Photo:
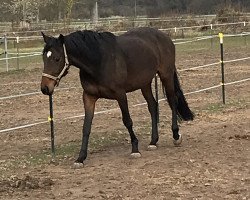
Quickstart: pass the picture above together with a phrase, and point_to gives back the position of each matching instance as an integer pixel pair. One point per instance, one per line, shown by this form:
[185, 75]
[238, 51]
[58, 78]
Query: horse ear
[61, 38]
[45, 37]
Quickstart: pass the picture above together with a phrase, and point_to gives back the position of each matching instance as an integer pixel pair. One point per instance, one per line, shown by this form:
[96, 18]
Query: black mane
[88, 44]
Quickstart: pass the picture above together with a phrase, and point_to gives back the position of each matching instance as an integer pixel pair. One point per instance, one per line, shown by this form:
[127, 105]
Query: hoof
[135, 155]
[178, 142]
[152, 147]
[77, 165]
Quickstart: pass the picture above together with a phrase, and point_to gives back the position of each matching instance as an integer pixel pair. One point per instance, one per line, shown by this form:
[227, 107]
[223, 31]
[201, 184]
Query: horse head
[55, 61]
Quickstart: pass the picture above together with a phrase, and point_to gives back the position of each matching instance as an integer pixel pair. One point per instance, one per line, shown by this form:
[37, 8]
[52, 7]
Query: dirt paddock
[213, 161]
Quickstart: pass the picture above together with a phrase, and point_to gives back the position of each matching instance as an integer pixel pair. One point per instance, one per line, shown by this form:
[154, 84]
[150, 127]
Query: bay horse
[111, 66]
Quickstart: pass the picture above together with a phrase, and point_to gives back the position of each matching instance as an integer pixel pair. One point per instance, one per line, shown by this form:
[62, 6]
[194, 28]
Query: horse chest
[98, 91]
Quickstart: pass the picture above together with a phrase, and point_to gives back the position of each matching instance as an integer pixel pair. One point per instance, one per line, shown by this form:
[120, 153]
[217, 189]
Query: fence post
[17, 51]
[175, 32]
[245, 31]
[6, 52]
[182, 33]
[211, 33]
[222, 67]
[51, 120]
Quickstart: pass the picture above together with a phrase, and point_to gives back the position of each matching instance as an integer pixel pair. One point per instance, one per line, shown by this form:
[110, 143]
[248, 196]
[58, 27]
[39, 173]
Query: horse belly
[141, 69]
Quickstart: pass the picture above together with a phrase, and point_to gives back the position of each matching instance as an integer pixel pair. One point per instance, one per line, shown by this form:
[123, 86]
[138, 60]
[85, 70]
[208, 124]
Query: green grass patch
[213, 45]
[219, 107]
[209, 46]
[216, 107]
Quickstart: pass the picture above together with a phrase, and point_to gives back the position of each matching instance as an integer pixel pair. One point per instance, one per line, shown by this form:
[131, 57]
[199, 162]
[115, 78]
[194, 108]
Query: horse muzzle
[47, 86]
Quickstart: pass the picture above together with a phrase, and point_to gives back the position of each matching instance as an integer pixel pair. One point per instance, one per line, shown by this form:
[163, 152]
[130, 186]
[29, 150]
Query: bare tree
[20, 10]
[25, 10]
[69, 7]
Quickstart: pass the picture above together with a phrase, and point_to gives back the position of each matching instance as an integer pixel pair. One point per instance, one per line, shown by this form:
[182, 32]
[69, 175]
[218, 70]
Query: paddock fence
[23, 52]
[193, 40]
[119, 23]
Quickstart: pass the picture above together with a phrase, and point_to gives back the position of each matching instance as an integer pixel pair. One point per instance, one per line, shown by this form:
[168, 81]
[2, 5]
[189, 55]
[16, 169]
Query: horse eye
[57, 59]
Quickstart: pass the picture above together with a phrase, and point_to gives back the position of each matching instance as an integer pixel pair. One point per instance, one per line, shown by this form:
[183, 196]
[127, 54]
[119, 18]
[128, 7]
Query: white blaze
[49, 54]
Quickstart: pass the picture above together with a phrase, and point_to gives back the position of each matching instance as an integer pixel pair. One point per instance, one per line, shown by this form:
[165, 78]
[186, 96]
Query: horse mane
[88, 44]
[50, 44]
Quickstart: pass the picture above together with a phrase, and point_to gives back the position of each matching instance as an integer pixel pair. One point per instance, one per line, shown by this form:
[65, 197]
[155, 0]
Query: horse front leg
[89, 106]
[127, 121]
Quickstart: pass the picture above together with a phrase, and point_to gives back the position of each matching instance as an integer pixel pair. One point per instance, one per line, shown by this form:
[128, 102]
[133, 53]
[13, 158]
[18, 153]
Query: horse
[111, 66]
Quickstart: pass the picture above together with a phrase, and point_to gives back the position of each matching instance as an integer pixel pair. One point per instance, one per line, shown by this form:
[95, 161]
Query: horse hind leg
[168, 86]
[152, 107]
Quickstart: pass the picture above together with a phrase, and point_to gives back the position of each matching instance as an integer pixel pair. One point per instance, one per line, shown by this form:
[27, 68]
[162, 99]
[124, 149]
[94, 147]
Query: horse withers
[111, 66]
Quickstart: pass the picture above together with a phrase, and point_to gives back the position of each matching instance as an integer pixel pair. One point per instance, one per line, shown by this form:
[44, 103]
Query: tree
[24, 10]
[69, 7]
[78, 9]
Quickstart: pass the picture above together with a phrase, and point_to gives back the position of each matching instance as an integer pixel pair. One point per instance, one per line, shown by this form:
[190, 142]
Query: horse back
[146, 50]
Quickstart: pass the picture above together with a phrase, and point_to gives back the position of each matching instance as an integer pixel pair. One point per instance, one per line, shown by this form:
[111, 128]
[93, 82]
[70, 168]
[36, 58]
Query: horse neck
[76, 60]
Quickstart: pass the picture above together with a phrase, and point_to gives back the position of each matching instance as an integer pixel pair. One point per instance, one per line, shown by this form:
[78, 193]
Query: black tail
[182, 106]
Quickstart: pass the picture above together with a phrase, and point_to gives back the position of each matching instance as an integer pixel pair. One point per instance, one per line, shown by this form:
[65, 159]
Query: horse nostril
[45, 90]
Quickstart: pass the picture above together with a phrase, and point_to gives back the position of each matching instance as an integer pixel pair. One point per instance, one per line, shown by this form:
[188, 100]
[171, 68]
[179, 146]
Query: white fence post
[17, 52]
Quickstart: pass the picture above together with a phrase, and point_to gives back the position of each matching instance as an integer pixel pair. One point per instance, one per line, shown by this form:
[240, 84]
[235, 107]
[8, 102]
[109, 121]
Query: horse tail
[183, 111]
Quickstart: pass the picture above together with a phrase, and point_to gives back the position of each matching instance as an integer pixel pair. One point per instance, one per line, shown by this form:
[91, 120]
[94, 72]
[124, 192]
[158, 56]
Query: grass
[36, 61]
[22, 63]
[213, 44]
[219, 107]
[190, 48]
[26, 62]
[216, 107]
